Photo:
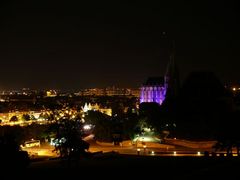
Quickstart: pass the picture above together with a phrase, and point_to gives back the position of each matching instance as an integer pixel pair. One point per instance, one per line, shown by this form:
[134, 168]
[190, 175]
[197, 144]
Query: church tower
[157, 89]
[172, 82]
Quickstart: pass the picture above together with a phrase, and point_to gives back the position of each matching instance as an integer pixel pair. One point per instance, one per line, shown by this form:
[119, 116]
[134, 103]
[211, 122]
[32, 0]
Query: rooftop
[154, 81]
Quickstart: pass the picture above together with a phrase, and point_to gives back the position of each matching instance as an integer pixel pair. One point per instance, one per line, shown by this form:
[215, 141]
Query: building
[135, 92]
[110, 91]
[93, 92]
[96, 107]
[51, 93]
[154, 90]
[157, 89]
[116, 91]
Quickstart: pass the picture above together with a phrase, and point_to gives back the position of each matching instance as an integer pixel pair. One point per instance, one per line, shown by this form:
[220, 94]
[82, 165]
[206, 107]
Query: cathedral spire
[172, 83]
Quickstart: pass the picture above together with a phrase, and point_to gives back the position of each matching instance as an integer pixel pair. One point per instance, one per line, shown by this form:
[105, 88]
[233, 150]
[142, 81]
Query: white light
[87, 127]
[153, 152]
[198, 153]
[138, 150]
[175, 153]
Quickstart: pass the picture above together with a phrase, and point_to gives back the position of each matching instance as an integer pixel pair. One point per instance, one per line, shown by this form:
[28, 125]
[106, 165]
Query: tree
[227, 135]
[10, 154]
[202, 102]
[26, 117]
[68, 139]
[103, 126]
[151, 113]
[14, 119]
[129, 124]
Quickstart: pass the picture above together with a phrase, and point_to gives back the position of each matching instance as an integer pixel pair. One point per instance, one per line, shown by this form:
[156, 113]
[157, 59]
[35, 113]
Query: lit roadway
[46, 150]
[133, 150]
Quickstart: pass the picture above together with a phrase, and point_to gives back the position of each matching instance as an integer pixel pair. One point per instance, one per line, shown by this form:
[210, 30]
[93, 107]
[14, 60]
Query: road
[46, 150]
[147, 151]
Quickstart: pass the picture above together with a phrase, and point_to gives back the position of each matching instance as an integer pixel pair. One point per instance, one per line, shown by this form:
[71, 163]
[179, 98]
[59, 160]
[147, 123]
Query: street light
[138, 151]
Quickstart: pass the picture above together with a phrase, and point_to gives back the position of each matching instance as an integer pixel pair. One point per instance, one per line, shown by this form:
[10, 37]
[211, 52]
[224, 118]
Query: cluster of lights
[174, 152]
[57, 142]
[87, 127]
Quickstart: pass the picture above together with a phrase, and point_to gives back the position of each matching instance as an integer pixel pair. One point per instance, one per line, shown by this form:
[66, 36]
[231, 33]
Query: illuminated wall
[96, 107]
[153, 94]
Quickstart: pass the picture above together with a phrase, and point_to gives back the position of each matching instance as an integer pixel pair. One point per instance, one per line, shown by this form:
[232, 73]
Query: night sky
[69, 45]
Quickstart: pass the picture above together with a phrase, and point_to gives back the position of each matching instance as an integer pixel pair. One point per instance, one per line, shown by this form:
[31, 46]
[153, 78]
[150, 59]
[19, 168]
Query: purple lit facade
[154, 90]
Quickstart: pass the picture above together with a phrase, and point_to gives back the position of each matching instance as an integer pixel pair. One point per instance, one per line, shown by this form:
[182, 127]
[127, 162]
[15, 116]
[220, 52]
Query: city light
[138, 151]
[87, 127]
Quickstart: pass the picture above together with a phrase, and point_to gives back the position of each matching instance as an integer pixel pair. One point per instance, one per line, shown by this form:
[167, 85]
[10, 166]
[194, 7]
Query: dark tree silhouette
[153, 115]
[14, 119]
[228, 133]
[10, 154]
[202, 102]
[129, 125]
[103, 126]
[68, 139]
[26, 117]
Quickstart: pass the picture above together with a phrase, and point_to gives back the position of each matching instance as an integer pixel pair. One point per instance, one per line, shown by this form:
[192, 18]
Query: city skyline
[84, 45]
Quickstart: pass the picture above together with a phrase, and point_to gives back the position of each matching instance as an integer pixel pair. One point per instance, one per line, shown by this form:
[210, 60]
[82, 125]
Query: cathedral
[156, 89]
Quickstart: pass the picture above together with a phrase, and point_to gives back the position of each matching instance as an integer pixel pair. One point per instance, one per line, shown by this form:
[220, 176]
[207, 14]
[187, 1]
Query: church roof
[154, 81]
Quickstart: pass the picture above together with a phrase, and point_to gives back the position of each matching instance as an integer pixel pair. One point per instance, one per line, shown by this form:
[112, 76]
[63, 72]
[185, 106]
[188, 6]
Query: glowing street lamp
[138, 151]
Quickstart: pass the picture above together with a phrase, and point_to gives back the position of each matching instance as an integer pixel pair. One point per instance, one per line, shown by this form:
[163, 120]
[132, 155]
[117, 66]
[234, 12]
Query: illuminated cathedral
[156, 89]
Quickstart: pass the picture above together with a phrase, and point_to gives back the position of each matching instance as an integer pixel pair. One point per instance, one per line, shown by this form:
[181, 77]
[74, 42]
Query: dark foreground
[115, 166]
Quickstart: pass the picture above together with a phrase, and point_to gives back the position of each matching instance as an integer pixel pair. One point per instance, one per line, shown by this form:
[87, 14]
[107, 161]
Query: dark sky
[69, 45]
